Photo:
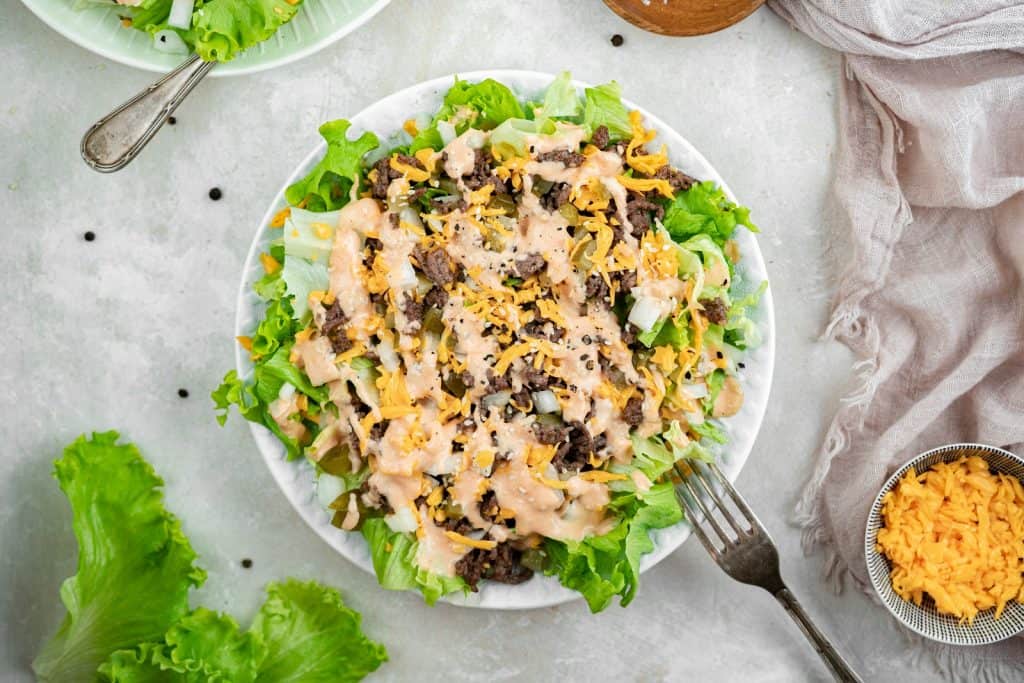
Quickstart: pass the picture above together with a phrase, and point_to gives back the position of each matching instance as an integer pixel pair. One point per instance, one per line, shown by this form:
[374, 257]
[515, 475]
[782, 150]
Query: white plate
[296, 478]
[317, 24]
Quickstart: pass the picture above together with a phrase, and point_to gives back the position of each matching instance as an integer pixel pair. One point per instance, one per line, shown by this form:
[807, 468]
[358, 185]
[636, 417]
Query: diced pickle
[336, 461]
[570, 214]
[534, 559]
[432, 321]
[453, 383]
[541, 186]
[503, 202]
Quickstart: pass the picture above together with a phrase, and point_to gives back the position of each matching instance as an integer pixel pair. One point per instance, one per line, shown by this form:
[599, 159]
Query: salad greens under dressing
[699, 223]
[128, 616]
[217, 30]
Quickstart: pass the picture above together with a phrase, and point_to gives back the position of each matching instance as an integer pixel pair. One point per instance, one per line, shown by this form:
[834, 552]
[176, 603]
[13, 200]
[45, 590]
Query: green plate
[317, 24]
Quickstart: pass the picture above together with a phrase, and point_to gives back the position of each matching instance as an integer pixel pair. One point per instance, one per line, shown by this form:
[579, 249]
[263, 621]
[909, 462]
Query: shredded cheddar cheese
[270, 264]
[471, 542]
[280, 217]
[956, 533]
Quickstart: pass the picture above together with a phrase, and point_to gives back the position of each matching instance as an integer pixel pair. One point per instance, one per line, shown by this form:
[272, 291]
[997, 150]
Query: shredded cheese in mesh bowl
[945, 544]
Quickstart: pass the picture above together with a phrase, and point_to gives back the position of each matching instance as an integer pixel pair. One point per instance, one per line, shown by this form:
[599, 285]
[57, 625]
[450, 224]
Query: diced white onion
[409, 215]
[181, 14]
[406, 276]
[449, 465]
[696, 390]
[695, 417]
[386, 352]
[645, 313]
[286, 391]
[402, 521]
[447, 131]
[545, 402]
[328, 488]
[498, 399]
[170, 42]
[475, 139]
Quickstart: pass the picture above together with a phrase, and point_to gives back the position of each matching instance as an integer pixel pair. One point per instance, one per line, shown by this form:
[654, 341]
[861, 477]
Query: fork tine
[703, 537]
[703, 508]
[741, 504]
[719, 503]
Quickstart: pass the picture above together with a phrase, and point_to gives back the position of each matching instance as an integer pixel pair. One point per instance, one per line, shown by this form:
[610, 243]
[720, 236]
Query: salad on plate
[496, 335]
[217, 30]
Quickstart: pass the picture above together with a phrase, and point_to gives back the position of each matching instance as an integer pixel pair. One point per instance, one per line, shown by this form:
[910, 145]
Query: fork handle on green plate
[118, 137]
[841, 671]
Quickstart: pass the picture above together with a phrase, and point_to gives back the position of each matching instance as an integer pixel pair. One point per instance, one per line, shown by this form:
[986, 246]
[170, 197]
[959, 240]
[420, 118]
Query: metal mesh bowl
[925, 620]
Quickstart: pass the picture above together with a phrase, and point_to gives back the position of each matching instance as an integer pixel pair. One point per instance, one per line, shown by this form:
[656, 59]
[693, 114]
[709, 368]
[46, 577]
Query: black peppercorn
[617, 40]
[183, 393]
[216, 194]
[89, 236]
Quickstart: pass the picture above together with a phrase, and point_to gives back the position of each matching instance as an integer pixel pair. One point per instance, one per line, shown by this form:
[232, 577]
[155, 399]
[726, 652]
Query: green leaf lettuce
[135, 566]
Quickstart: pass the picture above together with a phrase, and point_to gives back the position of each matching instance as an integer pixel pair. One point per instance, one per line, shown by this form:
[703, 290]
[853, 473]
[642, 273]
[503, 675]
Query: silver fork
[747, 555]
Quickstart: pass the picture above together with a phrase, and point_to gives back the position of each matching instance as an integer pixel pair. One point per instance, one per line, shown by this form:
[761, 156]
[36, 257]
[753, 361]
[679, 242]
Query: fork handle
[841, 671]
[114, 140]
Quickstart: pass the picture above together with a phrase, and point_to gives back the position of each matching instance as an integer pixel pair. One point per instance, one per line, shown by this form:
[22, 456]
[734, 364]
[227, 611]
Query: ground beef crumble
[334, 328]
[716, 311]
[501, 564]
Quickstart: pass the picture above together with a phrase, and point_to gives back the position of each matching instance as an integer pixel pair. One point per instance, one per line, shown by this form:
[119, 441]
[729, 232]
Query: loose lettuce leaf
[303, 632]
[203, 646]
[603, 107]
[561, 100]
[135, 565]
[394, 561]
[704, 208]
[311, 636]
[224, 28]
[327, 186]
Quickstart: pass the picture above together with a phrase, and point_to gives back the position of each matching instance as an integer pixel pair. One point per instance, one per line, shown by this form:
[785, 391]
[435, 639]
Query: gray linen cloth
[929, 257]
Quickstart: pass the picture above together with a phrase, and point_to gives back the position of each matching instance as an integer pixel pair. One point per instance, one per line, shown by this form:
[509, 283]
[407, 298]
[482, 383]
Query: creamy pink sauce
[436, 552]
[316, 357]
[283, 408]
[591, 494]
[566, 136]
[477, 350]
[346, 268]
[461, 153]
[466, 492]
[544, 508]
